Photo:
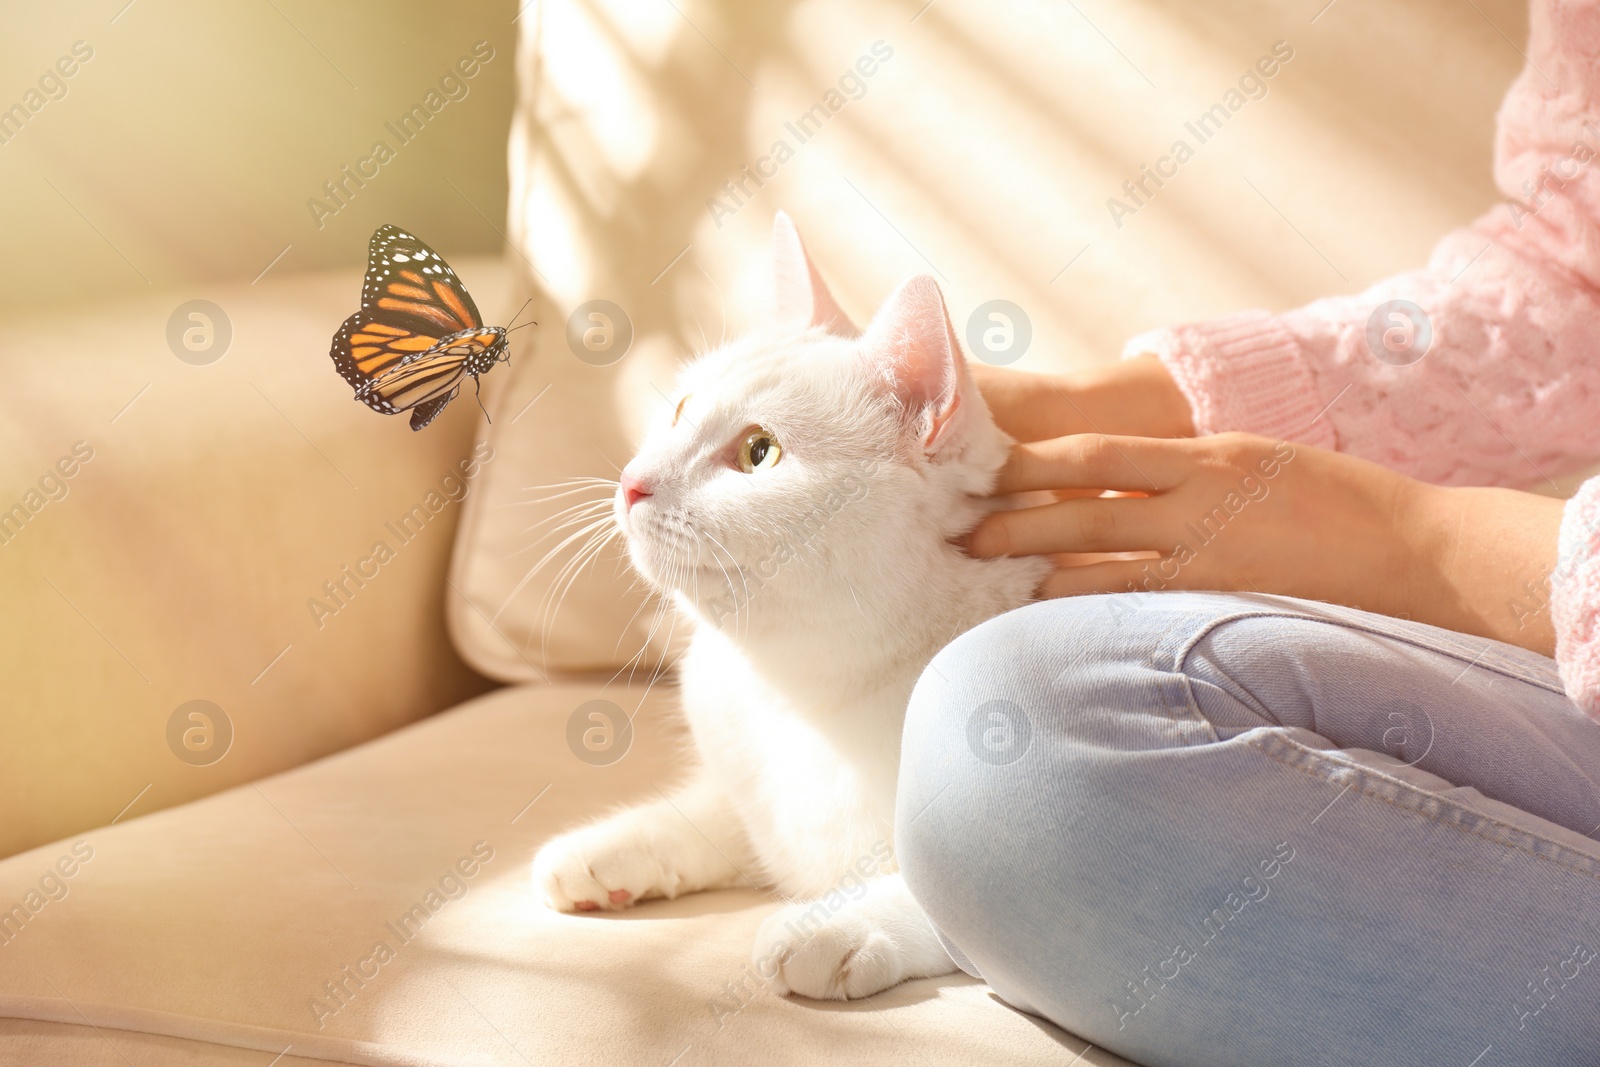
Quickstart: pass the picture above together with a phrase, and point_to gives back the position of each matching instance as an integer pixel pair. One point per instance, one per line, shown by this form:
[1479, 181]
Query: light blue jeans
[1202, 829]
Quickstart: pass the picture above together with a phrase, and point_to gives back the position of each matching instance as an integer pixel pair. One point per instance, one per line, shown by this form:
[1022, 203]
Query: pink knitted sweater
[1491, 374]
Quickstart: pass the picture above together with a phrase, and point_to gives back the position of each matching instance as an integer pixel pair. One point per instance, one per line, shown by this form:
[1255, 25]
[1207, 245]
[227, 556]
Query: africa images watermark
[52, 86]
[452, 87]
[1143, 990]
[52, 888]
[1566, 169]
[1546, 987]
[340, 991]
[852, 85]
[1206, 528]
[53, 488]
[793, 539]
[1541, 590]
[340, 590]
[753, 979]
[1252, 85]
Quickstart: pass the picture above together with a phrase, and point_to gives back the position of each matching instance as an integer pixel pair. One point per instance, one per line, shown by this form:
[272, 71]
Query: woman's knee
[1074, 664]
[1053, 690]
[1043, 754]
[1072, 690]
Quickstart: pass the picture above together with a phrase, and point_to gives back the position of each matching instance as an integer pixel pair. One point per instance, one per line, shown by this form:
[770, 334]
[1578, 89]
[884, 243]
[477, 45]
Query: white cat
[799, 506]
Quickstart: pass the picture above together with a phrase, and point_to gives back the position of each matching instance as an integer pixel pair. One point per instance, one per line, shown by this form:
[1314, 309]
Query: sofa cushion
[375, 908]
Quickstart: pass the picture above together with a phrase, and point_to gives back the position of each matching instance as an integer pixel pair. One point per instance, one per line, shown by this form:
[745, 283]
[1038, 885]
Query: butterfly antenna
[518, 315]
[524, 326]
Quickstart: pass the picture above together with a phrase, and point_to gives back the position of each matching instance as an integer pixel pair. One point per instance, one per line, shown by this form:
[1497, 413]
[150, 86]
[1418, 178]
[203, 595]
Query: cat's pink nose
[634, 489]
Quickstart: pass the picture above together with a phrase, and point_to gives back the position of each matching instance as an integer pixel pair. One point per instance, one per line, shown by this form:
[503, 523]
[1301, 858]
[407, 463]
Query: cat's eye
[676, 415]
[759, 451]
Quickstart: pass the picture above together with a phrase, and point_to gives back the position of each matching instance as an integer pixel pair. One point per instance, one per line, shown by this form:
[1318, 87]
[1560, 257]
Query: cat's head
[810, 457]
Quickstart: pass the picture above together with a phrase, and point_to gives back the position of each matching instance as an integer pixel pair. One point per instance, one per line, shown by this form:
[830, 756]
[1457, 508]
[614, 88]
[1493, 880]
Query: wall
[185, 149]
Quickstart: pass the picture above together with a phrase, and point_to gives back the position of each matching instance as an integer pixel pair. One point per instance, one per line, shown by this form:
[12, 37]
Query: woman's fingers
[1091, 524]
[1095, 461]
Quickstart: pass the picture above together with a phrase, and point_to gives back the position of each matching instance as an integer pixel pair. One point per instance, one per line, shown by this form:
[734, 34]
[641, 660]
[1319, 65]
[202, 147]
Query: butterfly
[418, 333]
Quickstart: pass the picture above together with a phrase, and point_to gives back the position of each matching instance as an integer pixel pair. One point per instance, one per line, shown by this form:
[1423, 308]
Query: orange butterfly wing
[411, 304]
[365, 348]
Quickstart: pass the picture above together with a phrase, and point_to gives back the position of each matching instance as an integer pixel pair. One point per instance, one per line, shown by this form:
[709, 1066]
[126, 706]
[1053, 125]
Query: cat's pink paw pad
[586, 905]
[620, 896]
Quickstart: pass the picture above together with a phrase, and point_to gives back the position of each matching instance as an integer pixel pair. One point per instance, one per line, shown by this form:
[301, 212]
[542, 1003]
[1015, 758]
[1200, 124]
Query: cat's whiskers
[694, 571]
[662, 664]
[587, 526]
[567, 488]
[662, 528]
[586, 555]
[584, 512]
[663, 607]
[643, 602]
[583, 515]
[705, 584]
[739, 604]
[602, 533]
[551, 490]
[599, 529]
[631, 663]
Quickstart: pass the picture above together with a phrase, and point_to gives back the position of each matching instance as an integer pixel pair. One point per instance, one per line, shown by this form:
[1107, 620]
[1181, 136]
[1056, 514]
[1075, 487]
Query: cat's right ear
[915, 346]
[802, 296]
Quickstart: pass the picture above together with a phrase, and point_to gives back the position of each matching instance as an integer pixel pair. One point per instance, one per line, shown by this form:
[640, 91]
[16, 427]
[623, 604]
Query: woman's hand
[1135, 396]
[1243, 513]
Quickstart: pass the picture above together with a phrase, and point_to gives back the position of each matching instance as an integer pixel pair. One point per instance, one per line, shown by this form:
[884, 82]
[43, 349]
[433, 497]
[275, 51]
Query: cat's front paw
[605, 867]
[842, 956]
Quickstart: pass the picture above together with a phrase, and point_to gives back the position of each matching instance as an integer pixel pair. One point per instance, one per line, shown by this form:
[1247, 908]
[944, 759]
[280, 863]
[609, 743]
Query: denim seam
[1181, 685]
[1179, 657]
[1456, 654]
[1468, 820]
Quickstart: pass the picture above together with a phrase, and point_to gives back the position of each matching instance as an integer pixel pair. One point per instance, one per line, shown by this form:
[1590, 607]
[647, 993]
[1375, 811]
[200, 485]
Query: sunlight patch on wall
[649, 26]
[549, 235]
[588, 74]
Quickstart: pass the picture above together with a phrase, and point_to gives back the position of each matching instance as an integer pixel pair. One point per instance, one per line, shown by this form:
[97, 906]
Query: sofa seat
[374, 907]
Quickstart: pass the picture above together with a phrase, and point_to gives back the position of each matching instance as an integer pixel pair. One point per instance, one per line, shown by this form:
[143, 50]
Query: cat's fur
[819, 590]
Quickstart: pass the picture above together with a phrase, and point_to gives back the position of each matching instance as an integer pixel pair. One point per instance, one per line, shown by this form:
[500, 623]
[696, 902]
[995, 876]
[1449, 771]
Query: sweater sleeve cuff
[1575, 598]
[1243, 372]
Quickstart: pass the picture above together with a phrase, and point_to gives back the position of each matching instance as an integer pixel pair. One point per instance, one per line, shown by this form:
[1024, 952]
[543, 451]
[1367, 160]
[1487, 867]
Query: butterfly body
[417, 334]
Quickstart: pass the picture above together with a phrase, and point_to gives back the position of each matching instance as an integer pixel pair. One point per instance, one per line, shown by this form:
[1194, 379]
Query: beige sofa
[301, 874]
[233, 928]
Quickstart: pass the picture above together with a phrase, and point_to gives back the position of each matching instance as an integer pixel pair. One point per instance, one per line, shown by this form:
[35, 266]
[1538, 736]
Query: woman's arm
[1477, 370]
[1136, 396]
[1488, 377]
[1246, 513]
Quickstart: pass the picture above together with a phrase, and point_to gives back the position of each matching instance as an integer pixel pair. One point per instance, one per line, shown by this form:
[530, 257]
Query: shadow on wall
[1326, 146]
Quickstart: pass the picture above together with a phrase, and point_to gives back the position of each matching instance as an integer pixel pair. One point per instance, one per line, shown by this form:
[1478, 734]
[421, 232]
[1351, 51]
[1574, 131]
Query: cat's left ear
[802, 296]
[912, 341]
